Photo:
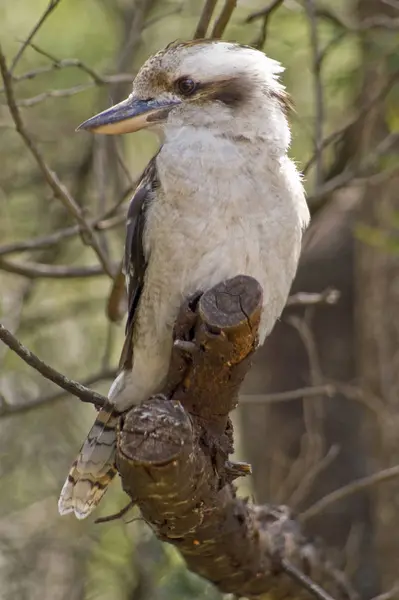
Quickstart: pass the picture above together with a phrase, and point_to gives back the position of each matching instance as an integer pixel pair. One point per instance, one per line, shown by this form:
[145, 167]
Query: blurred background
[335, 356]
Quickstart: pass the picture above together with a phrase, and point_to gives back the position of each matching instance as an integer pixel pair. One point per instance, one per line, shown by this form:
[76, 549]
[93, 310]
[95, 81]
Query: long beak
[129, 115]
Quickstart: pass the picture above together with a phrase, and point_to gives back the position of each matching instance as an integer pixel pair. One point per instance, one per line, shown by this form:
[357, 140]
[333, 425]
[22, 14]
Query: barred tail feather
[93, 470]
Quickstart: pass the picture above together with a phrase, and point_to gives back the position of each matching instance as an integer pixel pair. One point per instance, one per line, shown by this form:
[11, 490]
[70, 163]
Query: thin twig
[65, 92]
[52, 5]
[165, 15]
[65, 63]
[223, 18]
[73, 387]
[330, 45]
[309, 477]
[328, 296]
[313, 443]
[328, 390]
[304, 581]
[392, 594]
[349, 489]
[58, 188]
[40, 270]
[356, 173]
[116, 516]
[265, 14]
[393, 3]
[24, 407]
[205, 19]
[328, 140]
[375, 22]
[318, 91]
[47, 241]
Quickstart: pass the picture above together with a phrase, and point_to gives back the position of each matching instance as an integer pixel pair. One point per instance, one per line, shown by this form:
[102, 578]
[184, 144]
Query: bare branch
[305, 581]
[37, 270]
[73, 387]
[328, 390]
[357, 117]
[392, 594]
[223, 19]
[318, 90]
[65, 63]
[67, 92]
[375, 22]
[52, 5]
[58, 188]
[393, 3]
[328, 296]
[24, 407]
[265, 14]
[121, 513]
[47, 241]
[170, 13]
[352, 174]
[205, 19]
[347, 490]
[310, 475]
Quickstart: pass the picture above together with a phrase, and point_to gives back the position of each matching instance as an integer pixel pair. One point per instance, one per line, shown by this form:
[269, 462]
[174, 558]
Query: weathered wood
[173, 457]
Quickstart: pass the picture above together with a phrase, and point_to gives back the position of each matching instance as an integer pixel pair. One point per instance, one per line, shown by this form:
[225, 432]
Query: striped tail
[94, 468]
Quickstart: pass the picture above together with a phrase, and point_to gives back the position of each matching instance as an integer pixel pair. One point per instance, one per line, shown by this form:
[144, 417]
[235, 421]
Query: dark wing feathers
[134, 264]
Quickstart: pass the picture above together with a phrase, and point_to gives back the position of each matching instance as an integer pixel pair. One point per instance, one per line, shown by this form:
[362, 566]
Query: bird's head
[231, 89]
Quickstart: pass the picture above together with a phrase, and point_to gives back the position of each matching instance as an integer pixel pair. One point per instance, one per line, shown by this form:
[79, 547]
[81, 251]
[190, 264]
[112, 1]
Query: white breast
[225, 208]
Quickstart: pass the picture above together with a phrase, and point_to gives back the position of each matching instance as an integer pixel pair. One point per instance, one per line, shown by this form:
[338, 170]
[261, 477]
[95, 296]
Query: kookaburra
[219, 199]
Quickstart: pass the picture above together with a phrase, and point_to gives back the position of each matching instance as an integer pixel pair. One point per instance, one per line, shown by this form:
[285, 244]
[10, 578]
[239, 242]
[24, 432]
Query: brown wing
[135, 261]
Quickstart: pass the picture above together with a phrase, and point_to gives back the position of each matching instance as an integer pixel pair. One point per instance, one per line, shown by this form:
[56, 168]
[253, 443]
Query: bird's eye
[186, 86]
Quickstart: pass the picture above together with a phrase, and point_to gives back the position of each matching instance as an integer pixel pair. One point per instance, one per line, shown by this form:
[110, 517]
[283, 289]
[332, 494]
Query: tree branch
[223, 19]
[328, 389]
[318, 90]
[47, 241]
[205, 19]
[364, 110]
[40, 270]
[265, 14]
[7, 409]
[51, 6]
[173, 457]
[352, 488]
[73, 387]
[327, 296]
[58, 188]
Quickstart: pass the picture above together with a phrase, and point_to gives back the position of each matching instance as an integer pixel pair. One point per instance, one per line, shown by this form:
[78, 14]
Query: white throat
[258, 120]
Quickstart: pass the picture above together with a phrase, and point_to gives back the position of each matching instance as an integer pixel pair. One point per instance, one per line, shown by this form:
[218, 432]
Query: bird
[220, 198]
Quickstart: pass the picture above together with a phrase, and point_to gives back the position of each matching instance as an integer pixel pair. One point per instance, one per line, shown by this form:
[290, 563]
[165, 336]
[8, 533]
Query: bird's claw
[184, 347]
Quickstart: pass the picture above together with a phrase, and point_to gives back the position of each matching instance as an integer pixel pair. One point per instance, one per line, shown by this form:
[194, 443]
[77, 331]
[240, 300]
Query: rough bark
[173, 457]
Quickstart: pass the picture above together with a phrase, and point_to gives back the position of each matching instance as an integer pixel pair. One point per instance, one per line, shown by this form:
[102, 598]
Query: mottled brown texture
[173, 456]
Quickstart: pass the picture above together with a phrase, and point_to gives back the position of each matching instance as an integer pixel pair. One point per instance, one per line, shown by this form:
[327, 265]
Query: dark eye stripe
[231, 92]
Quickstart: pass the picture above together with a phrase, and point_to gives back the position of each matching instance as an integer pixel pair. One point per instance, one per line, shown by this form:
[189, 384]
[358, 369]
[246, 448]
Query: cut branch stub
[225, 338]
